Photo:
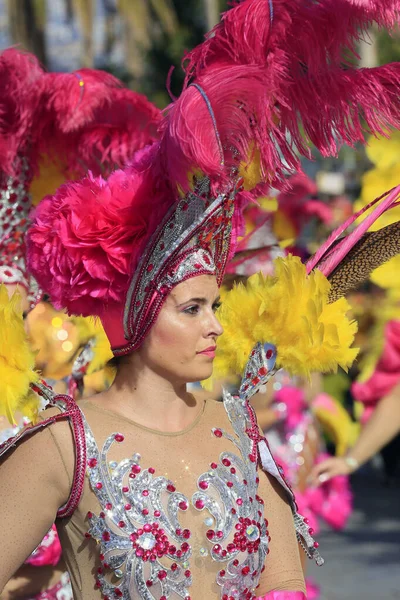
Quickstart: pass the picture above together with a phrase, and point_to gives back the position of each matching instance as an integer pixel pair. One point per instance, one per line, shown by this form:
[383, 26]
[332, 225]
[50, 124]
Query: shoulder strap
[71, 411]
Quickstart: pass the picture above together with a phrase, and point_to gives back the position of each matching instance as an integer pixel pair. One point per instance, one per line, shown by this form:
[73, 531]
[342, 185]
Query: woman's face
[181, 344]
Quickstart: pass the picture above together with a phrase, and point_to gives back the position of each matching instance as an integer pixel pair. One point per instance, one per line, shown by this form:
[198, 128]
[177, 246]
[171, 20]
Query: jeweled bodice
[145, 549]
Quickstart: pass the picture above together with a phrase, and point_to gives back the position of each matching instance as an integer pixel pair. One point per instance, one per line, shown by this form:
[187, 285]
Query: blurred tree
[85, 12]
[27, 21]
[212, 11]
[388, 46]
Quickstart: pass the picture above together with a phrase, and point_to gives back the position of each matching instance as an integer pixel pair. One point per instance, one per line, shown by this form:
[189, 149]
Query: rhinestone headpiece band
[193, 240]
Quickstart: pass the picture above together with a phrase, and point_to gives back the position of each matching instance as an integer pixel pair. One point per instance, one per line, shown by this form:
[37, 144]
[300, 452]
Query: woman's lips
[209, 351]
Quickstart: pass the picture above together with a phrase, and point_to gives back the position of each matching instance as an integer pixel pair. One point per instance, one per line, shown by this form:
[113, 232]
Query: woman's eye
[216, 306]
[191, 310]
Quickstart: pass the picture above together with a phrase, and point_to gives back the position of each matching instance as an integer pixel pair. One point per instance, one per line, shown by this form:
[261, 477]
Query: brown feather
[373, 249]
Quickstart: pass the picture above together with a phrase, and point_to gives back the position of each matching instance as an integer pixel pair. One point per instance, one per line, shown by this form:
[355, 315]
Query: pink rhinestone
[217, 548]
[226, 462]
[229, 484]
[186, 534]
[128, 506]
[306, 521]
[171, 488]
[106, 536]
[147, 528]
[203, 485]
[162, 574]
[119, 437]
[99, 485]
[187, 573]
[151, 470]
[183, 506]
[92, 462]
[220, 534]
[213, 465]
[121, 524]
[145, 512]
[157, 513]
[217, 433]
[136, 469]
[239, 502]
[222, 573]
[149, 583]
[245, 570]
[89, 515]
[233, 470]
[125, 489]
[311, 531]
[210, 534]
[108, 506]
[145, 493]
[199, 504]
[316, 545]
[174, 567]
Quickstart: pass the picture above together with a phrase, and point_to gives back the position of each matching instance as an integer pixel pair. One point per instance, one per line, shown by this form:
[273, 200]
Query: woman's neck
[150, 399]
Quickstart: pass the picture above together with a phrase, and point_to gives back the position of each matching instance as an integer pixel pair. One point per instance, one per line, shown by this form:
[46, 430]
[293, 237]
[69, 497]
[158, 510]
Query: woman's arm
[34, 482]
[382, 427]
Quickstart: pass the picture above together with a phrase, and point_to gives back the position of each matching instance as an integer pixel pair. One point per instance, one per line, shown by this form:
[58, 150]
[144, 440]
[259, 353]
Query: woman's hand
[332, 467]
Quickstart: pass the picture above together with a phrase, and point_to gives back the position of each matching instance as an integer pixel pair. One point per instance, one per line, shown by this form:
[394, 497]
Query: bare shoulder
[45, 450]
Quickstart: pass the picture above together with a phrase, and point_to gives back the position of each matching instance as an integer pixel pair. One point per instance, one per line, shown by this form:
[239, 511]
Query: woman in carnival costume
[53, 126]
[159, 495]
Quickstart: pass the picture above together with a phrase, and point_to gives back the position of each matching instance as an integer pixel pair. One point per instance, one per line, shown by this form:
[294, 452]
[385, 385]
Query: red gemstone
[239, 502]
[92, 462]
[187, 573]
[226, 462]
[157, 513]
[186, 534]
[213, 465]
[145, 493]
[245, 570]
[174, 567]
[263, 371]
[210, 534]
[118, 592]
[125, 489]
[145, 512]
[269, 354]
[150, 268]
[199, 504]
[171, 488]
[203, 485]
[121, 524]
[183, 506]
[162, 574]
[106, 536]
[222, 573]
[136, 469]
[217, 433]
[108, 506]
[151, 470]
[149, 583]
[99, 485]
[119, 437]
[128, 506]
[316, 545]
[89, 515]
[229, 484]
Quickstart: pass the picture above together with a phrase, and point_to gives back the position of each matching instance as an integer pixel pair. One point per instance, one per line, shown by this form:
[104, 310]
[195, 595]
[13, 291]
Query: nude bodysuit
[186, 515]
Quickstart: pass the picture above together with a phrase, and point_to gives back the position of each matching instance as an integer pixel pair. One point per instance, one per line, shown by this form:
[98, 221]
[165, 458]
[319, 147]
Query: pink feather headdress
[267, 82]
[74, 121]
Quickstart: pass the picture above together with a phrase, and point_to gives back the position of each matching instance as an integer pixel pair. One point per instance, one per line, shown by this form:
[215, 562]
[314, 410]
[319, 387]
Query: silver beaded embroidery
[139, 513]
[232, 500]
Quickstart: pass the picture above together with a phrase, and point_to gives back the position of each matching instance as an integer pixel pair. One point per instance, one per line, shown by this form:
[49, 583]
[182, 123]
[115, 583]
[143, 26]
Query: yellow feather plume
[291, 311]
[17, 361]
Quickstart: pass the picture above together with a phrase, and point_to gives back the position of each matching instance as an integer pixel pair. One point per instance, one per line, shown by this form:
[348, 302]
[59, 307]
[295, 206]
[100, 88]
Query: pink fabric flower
[85, 240]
